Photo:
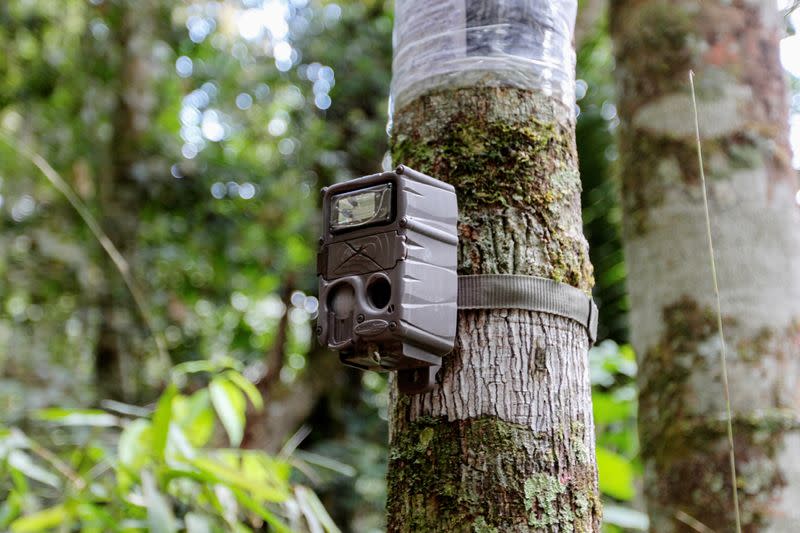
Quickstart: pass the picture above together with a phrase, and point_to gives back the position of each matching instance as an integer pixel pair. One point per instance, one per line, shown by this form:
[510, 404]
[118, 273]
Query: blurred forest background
[198, 134]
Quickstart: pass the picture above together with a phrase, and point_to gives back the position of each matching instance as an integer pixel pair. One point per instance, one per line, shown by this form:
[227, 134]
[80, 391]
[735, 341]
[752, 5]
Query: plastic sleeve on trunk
[525, 44]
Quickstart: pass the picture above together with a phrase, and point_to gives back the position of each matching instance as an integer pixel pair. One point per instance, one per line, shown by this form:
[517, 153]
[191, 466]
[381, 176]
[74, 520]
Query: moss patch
[515, 174]
[653, 48]
[486, 475]
[651, 165]
[666, 369]
[496, 164]
[687, 454]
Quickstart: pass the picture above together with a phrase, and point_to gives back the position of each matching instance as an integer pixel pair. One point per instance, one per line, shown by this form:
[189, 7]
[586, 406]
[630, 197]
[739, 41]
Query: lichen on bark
[483, 474]
[511, 156]
[505, 443]
[687, 457]
[732, 46]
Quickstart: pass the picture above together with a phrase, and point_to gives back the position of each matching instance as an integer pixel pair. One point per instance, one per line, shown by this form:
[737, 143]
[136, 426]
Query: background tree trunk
[733, 48]
[506, 443]
[119, 356]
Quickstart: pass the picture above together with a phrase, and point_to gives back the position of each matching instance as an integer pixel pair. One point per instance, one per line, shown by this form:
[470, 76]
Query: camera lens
[379, 292]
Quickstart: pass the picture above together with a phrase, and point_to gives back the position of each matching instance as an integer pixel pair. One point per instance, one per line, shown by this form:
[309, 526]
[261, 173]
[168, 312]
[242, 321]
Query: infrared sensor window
[361, 208]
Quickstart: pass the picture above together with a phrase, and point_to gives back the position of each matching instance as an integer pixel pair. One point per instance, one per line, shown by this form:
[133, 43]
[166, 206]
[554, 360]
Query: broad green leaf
[159, 513]
[273, 470]
[229, 402]
[42, 520]
[161, 420]
[10, 509]
[616, 475]
[178, 446]
[78, 417]
[21, 461]
[133, 443]
[195, 416]
[255, 468]
[247, 387]
[236, 478]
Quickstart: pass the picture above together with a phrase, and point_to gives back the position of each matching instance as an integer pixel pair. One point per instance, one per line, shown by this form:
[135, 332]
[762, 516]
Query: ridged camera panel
[388, 291]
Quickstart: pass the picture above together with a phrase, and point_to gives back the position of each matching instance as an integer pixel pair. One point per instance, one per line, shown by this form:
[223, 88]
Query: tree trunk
[506, 442]
[733, 48]
[118, 359]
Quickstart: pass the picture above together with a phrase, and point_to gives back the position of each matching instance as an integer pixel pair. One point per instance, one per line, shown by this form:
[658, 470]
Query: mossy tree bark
[506, 442]
[733, 48]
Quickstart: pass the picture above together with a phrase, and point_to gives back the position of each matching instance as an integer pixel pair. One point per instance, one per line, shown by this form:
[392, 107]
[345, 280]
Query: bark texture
[506, 443]
[733, 48]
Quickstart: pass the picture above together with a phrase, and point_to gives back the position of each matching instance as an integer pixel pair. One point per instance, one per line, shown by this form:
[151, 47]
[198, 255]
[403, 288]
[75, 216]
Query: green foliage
[219, 225]
[164, 472]
[613, 371]
[597, 154]
[219, 233]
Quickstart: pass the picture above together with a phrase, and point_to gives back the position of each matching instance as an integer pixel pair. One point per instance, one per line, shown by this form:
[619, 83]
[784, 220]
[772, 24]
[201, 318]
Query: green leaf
[204, 365]
[229, 402]
[237, 478]
[247, 387]
[259, 465]
[10, 509]
[12, 439]
[616, 475]
[94, 518]
[132, 446]
[195, 416]
[161, 420]
[78, 417]
[608, 409]
[193, 367]
[22, 462]
[179, 447]
[42, 520]
[159, 512]
[251, 505]
[325, 462]
[313, 509]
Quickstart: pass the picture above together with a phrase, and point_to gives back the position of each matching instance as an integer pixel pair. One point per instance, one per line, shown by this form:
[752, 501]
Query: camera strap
[505, 291]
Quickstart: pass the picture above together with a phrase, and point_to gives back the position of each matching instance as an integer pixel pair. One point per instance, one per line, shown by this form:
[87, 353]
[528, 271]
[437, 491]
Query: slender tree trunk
[506, 442]
[118, 361]
[733, 48]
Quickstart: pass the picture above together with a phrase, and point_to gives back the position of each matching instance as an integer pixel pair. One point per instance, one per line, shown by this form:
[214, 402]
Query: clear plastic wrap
[460, 43]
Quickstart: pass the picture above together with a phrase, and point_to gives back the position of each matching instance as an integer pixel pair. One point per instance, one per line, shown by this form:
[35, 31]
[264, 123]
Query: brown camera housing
[387, 274]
